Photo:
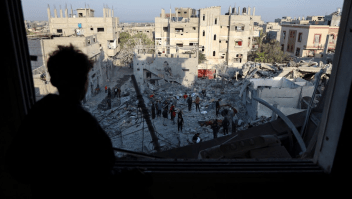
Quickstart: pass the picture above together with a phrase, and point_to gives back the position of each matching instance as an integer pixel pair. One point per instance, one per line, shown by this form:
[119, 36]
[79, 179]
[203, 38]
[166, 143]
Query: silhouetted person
[196, 138]
[197, 103]
[217, 107]
[189, 101]
[215, 128]
[60, 149]
[179, 122]
[225, 125]
[109, 102]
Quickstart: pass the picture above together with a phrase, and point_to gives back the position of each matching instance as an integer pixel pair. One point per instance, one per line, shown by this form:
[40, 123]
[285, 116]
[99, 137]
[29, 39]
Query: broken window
[194, 28]
[59, 30]
[282, 47]
[184, 12]
[215, 37]
[33, 58]
[100, 29]
[165, 29]
[239, 28]
[203, 17]
[91, 29]
[80, 14]
[203, 33]
[214, 53]
[179, 44]
[216, 21]
[203, 49]
[288, 47]
[178, 29]
[88, 41]
[299, 37]
[332, 38]
[298, 51]
[284, 34]
[222, 57]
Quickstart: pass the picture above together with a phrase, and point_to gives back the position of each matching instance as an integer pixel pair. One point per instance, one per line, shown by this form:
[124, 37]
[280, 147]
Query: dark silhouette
[225, 125]
[215, 128]
[189, 101]
[179, 122]
[60, 149]
[153, 111]
[217, 107]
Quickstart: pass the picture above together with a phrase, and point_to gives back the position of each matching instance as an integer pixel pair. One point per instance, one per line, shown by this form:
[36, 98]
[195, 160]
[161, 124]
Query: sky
[146, 11]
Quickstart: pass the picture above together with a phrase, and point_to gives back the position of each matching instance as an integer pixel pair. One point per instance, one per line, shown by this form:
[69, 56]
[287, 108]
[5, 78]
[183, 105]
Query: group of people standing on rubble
[117, 93]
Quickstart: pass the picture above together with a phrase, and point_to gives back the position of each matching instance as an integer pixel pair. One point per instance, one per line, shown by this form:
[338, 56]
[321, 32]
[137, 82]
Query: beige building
[272, 30]
[84, 23]
[222, 38]
[89, 45]
[307, 40]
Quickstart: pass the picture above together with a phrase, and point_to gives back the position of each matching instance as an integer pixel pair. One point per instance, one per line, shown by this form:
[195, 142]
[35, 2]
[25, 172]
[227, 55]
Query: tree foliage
[201, 57]
[268, 51]
[128, 43]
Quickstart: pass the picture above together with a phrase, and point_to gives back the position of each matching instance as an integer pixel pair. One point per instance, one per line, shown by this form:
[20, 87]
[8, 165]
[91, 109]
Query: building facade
[84, 23]
[222, 38]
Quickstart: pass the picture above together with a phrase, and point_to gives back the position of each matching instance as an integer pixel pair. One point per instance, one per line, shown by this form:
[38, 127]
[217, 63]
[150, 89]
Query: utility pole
[145, 114]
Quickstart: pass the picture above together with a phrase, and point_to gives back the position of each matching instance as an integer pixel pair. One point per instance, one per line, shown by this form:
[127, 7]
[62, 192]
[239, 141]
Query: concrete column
[71, 11]
[235, 11]
[162, 13]
[112, 12]
[66, 12]
[273, 115]
[176, 15]
[239, 10]
[49, 14]
[230, 10]
[104, 13]
[60, 12]
[249, 10]
[253, 11]
[189, 13]
[55, 12]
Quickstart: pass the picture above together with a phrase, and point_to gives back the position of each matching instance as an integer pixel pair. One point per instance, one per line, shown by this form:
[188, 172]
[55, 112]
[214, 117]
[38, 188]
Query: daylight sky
[146, 11]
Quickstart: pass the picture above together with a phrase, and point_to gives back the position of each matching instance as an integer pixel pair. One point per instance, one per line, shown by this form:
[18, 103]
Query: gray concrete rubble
[127, 129]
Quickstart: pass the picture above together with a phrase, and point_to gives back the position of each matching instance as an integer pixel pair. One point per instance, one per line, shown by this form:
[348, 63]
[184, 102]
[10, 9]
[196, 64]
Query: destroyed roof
[276, 82]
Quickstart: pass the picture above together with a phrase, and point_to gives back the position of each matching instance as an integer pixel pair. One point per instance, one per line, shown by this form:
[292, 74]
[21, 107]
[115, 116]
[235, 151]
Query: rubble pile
[127, 129]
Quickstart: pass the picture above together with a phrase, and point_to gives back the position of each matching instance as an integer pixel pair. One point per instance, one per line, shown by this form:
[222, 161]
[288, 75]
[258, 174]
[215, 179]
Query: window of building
[194, 28]
[184, 12]
[100, 29]
[178, 29]
[203, 33]
[332, 38]
[88, 41]
[214, 53]
[59, 30]
[317, 38]
[179, 44]
[299, 37]
[203, 49]
[282, 47]
[288, 47]
[91, 28]
[216, 21]
[222, 57]
[249, 41]
[80, 14]
[238, 43]
[215, 37]
[292, 48]
[165, 29]
[284, 34]
[298, 50]
[95, 40]
[239, 28]
[179, 12]
[203, 17]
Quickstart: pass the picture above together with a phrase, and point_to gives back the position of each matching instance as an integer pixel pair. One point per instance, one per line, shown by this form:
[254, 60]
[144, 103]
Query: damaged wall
[285, 93]
[182, 70]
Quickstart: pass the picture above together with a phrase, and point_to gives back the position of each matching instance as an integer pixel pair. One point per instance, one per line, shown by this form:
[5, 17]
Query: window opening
[213, 53]
[100, 29]
[59, 30]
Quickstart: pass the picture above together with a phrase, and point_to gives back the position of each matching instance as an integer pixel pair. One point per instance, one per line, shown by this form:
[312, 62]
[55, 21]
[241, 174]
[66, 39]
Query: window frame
[330, 126]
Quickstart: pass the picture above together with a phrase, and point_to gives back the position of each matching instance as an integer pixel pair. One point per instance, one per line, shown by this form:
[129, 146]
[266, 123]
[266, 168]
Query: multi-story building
[86, 24]
[272, 30]
[307, 40]
[222, 38]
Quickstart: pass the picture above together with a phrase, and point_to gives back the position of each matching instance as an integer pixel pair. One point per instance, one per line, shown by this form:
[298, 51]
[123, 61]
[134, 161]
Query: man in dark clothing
[225, 126]
[153, 111]
[203, 92]
[109, 102]
[119, 92]
[179, 122]
[53, 158]
[165, 116]
[189, 101]
[159, 108]
[115, 91]
[217, 107]
[195, 138]
[215, 128]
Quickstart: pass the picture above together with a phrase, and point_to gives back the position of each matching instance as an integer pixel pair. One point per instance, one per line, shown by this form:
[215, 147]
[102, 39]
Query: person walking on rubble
[173, 115]
[115, 91]
[185, 96]
[159, 108]
[196, 138]
[217, 106]
[197, 103]
[203, 92]
[189, 101]
[109, 92]
[179, 121]
[174, 101]
[119, 92]
[165, 116]
[109, 102]
[215, 128]
[106, 88]
[225, 126]
[153, 111]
